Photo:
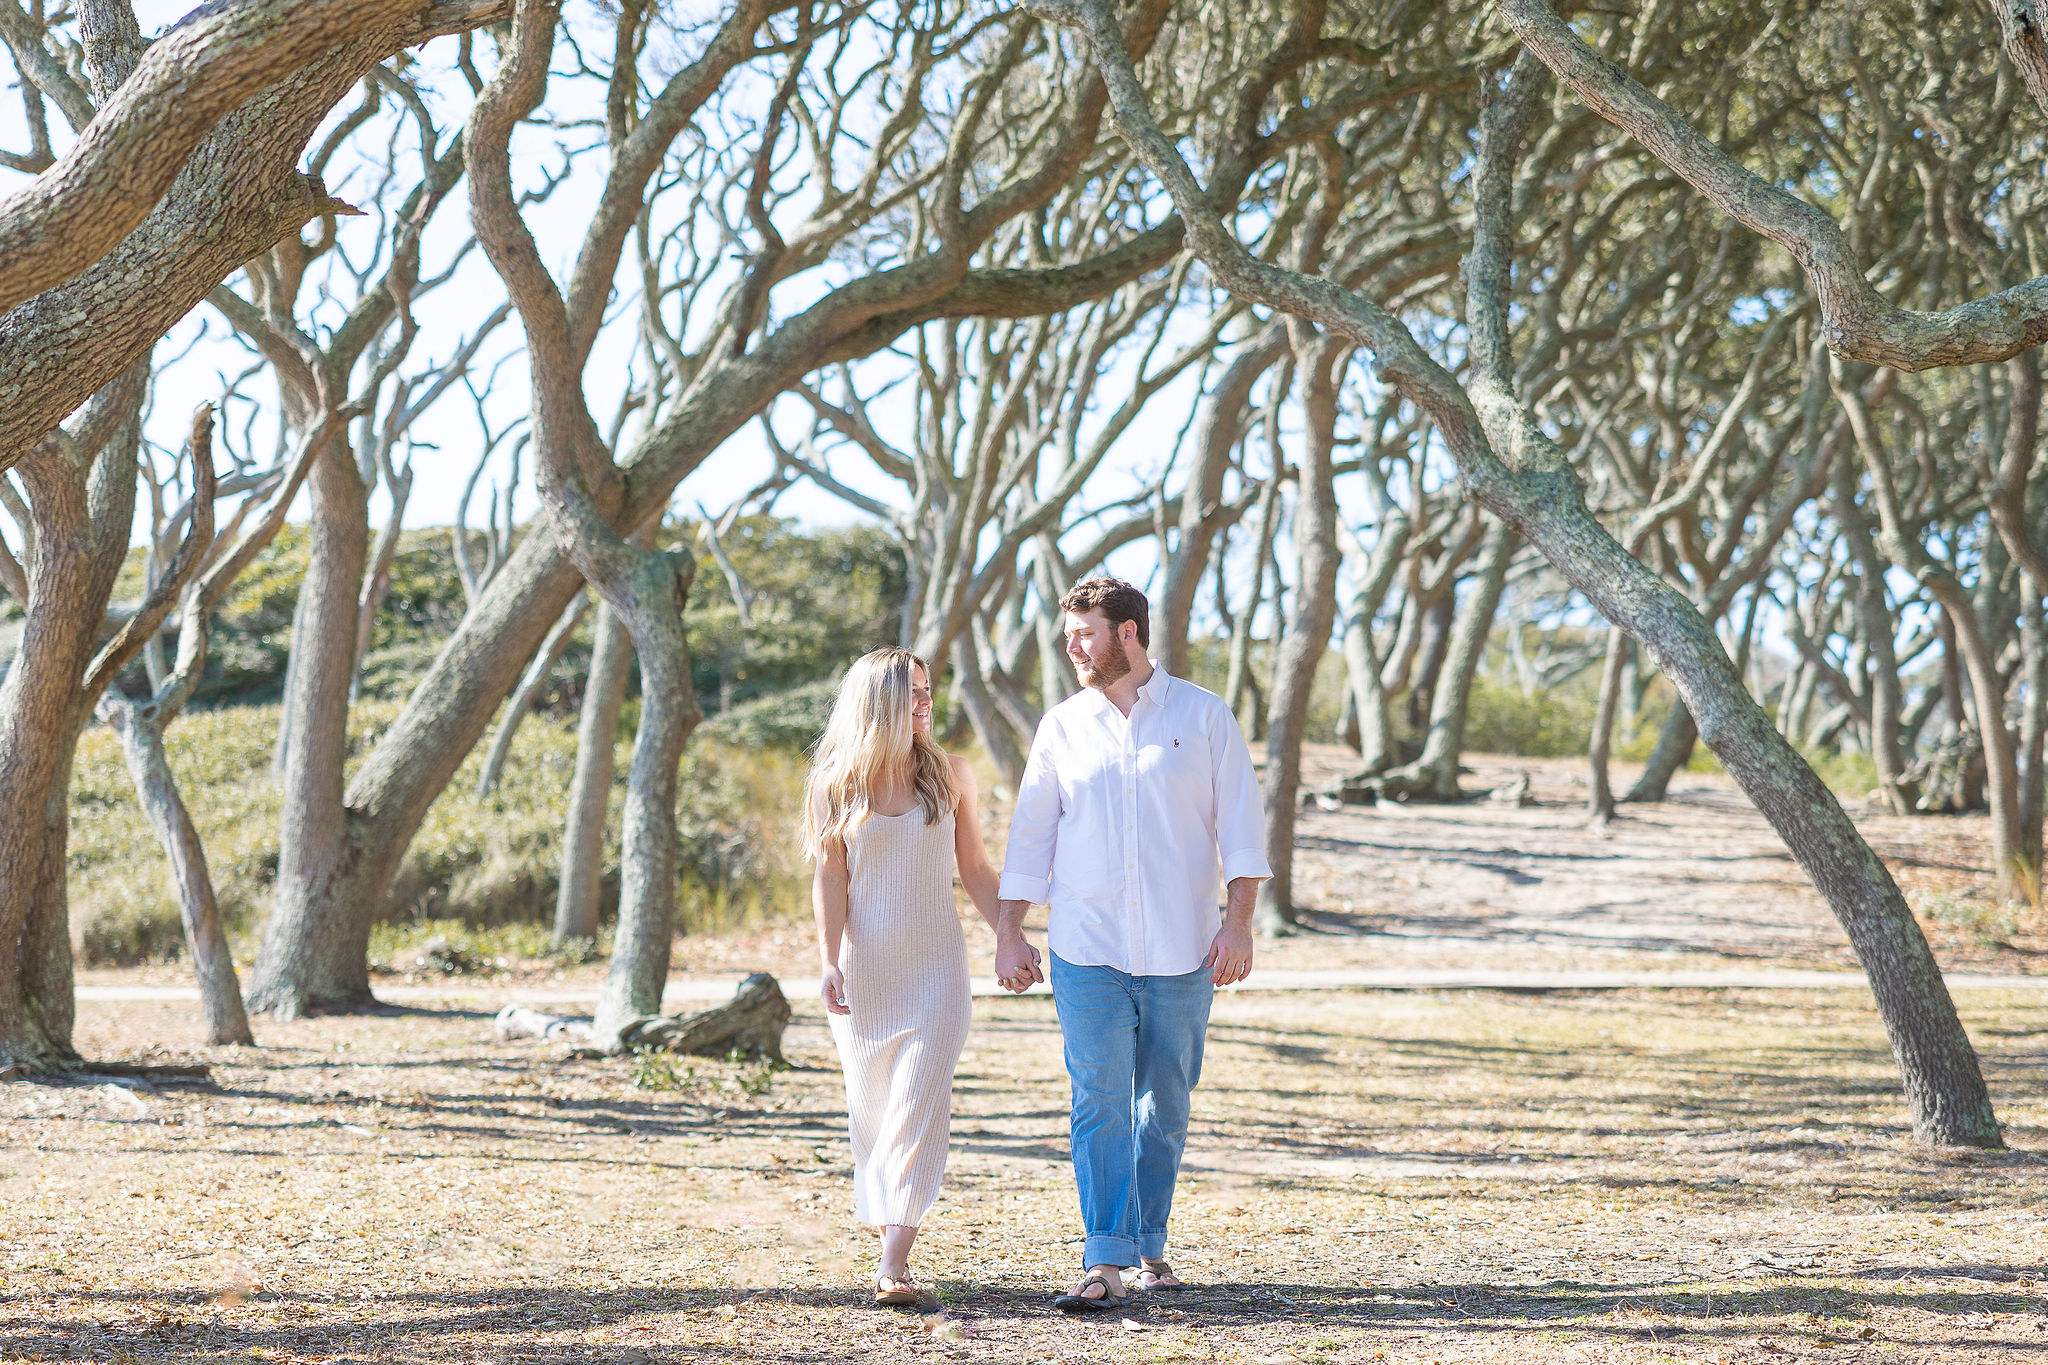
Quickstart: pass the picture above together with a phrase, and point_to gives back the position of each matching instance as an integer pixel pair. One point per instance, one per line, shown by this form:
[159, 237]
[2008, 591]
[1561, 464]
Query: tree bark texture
[140, 727]
[1673, 750]
[997, 733]
[1860, 323]
[578, 899]
[523, 697]
[1886, 703]
[81, 494]
[1434, 775]
[1371, 706]
[1320, 360]
[1218, 429]
[1238, 678]
[648, 591]
[651, 604]
[314, 953]
[1599, 791]
[236, 195]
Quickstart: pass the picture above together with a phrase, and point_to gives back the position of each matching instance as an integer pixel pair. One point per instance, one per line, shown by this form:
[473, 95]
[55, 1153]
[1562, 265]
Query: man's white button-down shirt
[1121, 824]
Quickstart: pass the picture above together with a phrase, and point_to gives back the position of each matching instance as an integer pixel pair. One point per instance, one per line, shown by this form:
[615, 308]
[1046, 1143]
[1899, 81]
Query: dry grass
[485, 861]
[1404, 1177]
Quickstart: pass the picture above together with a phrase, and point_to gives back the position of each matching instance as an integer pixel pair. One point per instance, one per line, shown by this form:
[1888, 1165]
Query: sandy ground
[1692, 1176]
[1677, 1175]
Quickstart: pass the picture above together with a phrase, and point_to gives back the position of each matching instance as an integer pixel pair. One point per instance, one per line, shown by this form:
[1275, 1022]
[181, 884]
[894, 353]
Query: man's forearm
[1241, 895]
[1010, 918]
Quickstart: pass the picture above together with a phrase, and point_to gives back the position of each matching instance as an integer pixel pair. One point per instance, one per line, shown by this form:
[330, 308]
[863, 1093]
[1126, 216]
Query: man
[1135, 786]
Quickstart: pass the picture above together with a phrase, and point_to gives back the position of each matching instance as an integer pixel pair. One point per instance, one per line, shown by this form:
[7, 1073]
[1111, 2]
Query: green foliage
[1851, 775]
[655, 1068]
[791, 720]
[1551, 723]
[1977, 915]
[488, 945]
[818, 602]
[756, 1075]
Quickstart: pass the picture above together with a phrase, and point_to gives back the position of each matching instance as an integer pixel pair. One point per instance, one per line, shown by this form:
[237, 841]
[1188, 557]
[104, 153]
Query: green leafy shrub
[1552, 723]
[791, 720]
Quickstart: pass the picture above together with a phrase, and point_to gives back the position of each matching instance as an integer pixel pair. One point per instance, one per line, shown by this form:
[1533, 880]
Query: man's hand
[833, 989]
[1230, 955]
[1017, 963]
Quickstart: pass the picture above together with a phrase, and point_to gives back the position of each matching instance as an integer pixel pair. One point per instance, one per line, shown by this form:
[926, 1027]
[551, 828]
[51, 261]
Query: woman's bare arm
[970, 854]
[829, 908]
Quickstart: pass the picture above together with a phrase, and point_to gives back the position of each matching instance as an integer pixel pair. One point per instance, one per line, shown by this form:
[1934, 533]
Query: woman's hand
[833, 989]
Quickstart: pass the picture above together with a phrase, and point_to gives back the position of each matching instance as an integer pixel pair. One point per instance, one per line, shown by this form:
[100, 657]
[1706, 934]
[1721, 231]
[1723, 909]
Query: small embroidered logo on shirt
[1176, 744]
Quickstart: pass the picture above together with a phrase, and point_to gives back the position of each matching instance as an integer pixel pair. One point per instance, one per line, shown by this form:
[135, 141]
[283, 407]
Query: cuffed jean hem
[1106, 1248]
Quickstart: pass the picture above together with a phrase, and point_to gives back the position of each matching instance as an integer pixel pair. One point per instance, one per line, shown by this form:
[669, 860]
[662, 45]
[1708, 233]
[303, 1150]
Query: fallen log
[751, 1024]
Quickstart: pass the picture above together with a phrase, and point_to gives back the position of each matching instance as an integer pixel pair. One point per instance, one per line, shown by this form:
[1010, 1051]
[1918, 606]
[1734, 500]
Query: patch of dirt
[1413, 1177]
[1699, 880]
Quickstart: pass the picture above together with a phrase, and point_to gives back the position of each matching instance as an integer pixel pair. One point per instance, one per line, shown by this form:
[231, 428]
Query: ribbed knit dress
[905, 962]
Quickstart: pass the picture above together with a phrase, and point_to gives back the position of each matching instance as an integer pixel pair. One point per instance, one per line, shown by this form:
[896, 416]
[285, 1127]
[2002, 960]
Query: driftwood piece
[149, 1074]
[751, 1023]
[523, 1021]
[1356, 789]
[1513, 792]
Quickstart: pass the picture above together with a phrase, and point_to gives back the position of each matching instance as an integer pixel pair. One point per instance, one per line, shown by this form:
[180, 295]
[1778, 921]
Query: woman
[888, 815]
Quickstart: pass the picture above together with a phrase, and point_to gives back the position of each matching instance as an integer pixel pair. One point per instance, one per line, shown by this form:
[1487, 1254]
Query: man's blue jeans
[1134, 1051]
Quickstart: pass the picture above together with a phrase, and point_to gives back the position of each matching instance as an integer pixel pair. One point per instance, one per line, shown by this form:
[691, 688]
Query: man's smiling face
[1095, 647]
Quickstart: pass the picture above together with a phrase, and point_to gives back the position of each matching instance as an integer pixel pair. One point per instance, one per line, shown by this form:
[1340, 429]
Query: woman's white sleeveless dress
[905, 962]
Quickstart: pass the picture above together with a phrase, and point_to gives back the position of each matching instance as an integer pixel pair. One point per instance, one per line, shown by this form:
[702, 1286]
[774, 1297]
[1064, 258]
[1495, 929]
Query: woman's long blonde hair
[870, 740]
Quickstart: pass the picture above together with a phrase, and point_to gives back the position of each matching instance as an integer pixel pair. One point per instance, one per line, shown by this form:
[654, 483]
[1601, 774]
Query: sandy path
[1698, 881]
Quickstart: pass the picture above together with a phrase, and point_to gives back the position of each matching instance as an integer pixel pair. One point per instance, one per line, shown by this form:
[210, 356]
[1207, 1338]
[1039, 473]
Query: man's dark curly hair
[1117, 600]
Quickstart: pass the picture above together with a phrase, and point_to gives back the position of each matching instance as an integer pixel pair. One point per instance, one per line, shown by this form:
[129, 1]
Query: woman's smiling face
[920, 701]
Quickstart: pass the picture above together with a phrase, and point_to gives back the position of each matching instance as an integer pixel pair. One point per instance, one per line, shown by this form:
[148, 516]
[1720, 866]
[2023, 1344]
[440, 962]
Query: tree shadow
[544, 1322]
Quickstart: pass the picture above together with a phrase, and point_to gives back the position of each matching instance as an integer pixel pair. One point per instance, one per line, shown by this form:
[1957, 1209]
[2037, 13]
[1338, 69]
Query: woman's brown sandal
[905, 1296]
[1077, 1301]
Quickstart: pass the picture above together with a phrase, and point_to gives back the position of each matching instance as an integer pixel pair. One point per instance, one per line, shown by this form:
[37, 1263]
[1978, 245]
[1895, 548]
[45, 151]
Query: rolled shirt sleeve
[1240, 807]
[1034, 825]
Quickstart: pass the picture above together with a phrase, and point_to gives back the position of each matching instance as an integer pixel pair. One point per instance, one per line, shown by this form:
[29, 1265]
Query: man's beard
[1103, 672]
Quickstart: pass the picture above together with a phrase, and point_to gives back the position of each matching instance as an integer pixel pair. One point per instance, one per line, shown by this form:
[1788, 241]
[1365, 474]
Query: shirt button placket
[1131, 848]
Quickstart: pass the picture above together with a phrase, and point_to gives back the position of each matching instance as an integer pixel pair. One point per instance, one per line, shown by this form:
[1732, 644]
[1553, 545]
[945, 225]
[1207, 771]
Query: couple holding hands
[1137, 788]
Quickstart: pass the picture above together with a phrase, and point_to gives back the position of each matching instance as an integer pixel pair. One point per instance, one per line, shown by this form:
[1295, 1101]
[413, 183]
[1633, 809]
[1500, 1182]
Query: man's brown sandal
[1151, 1272]
[1076, 1300]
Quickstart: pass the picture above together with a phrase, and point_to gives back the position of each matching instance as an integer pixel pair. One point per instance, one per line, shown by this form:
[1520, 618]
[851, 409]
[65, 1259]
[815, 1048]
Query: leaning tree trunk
[1672, 752]
[2033, 732]
[1434, 775]
[1886, 702]
[1599, 794]
[82, 516]
[530, 686]
[1371, 708]
[1238, 677]
[140, 727]
[1217, 430]
[597, 736]
[995, 731]
[1513, 469]
[1308, 631]
[315, 950]
[651, 602]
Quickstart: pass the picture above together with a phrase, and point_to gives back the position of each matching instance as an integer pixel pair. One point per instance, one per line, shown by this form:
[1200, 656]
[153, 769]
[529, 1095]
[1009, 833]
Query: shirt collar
[1156, 686]
[1154, 690]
